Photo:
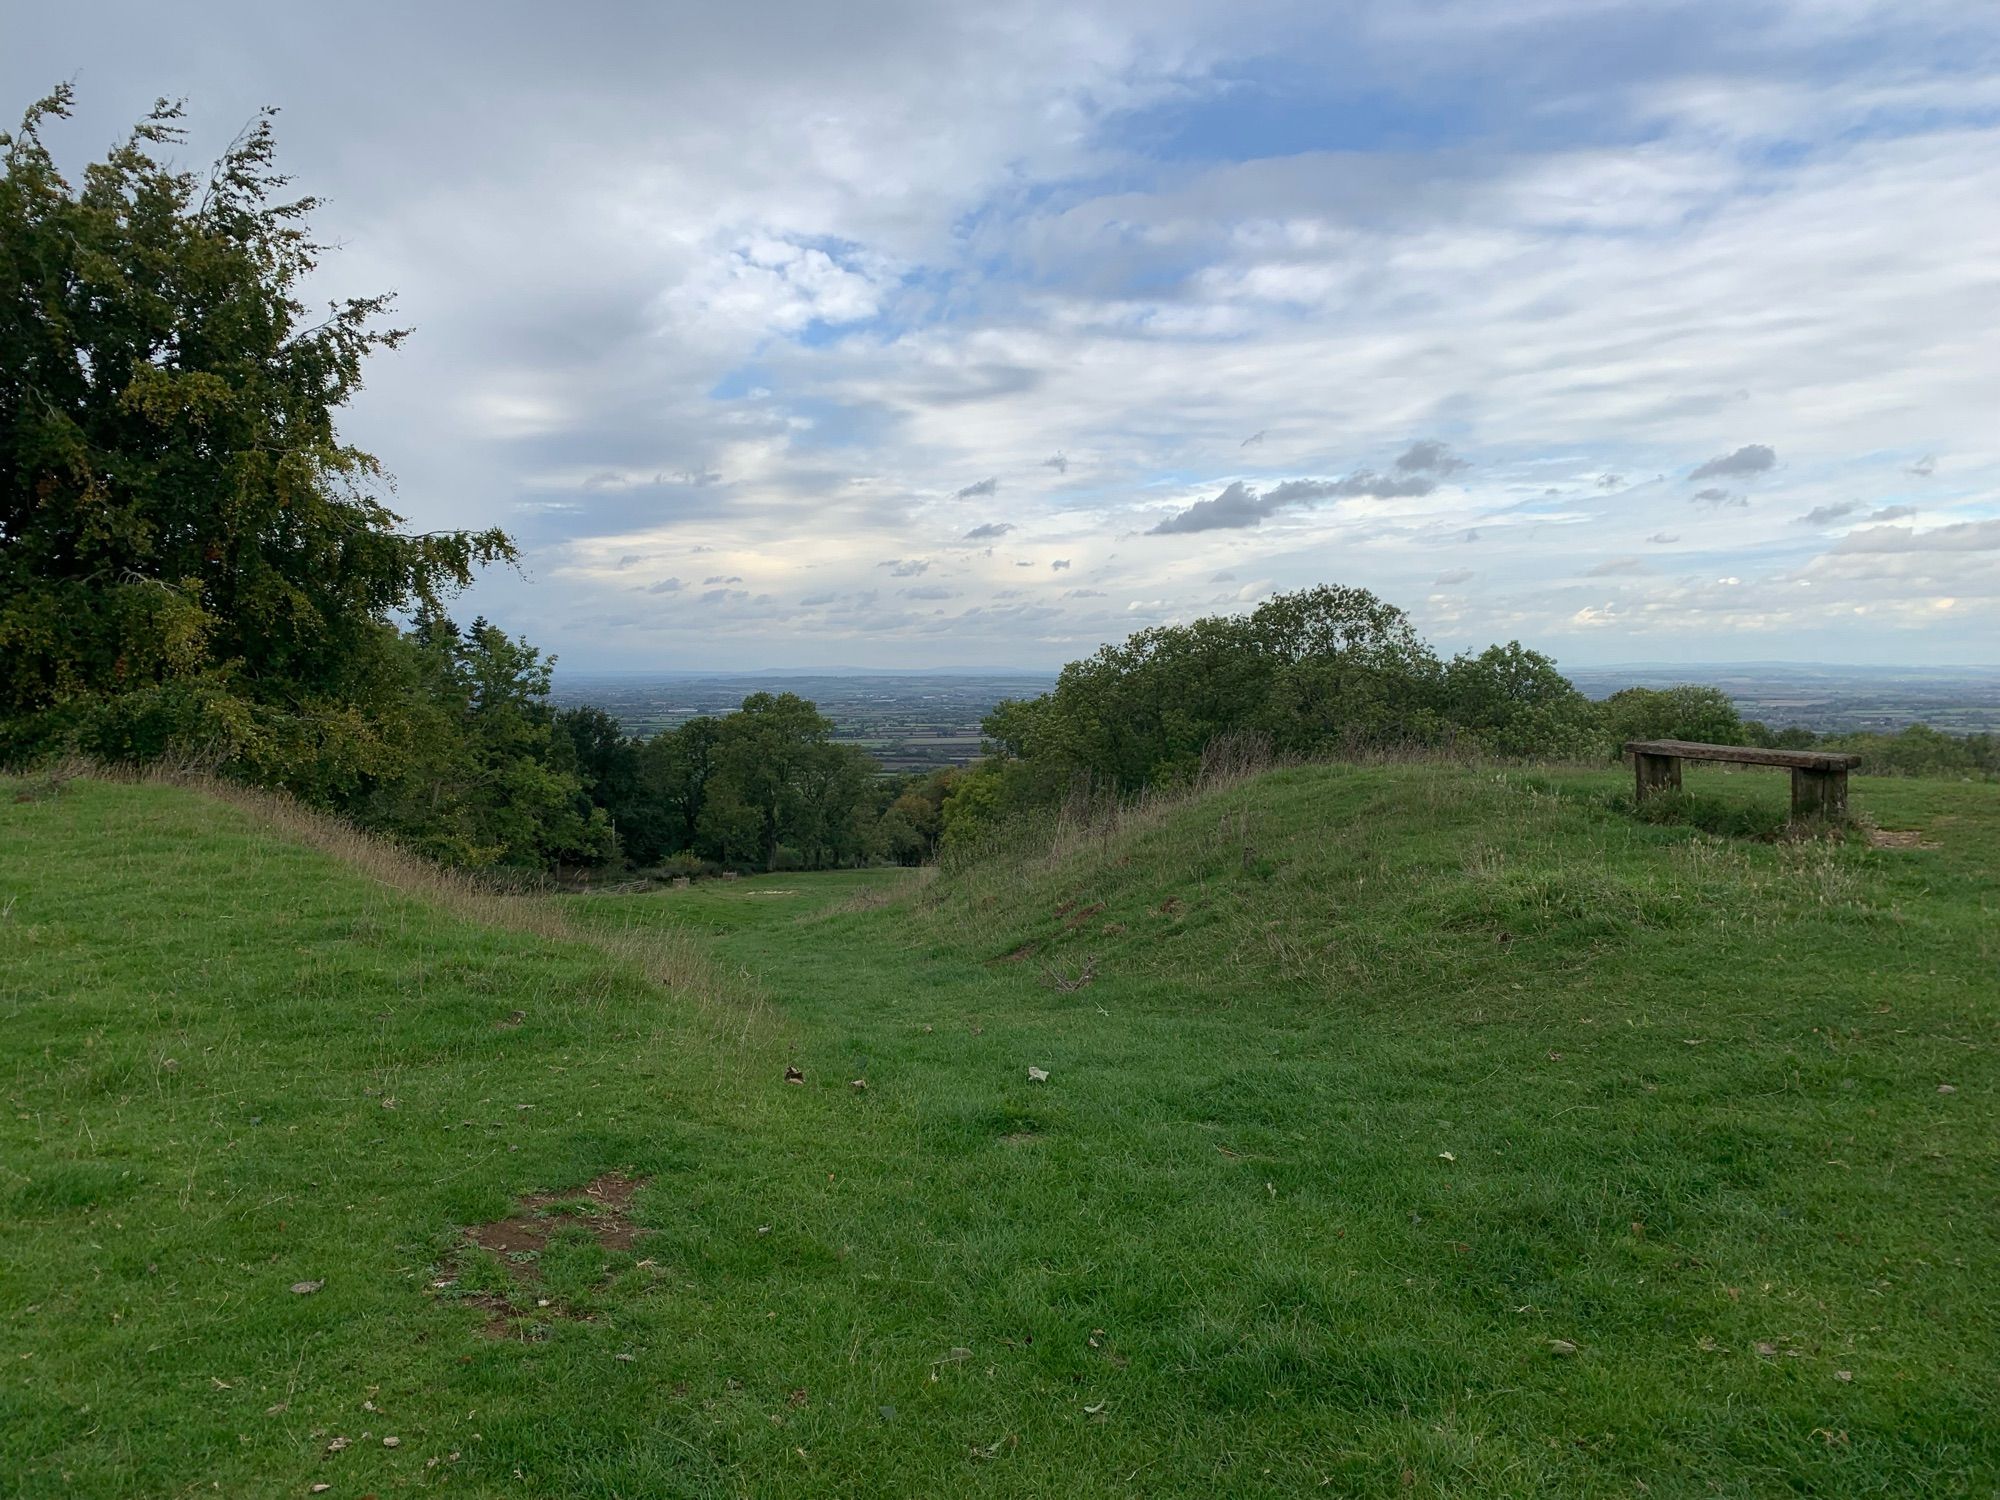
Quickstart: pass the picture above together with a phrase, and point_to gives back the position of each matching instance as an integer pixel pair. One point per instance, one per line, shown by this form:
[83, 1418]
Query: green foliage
[1919, 750]
[1321, 672]
[1688, 711]
[911, 826]
[1322, 667]
[481, 776]
[1513, 702]
[190, 558]
[762, 788]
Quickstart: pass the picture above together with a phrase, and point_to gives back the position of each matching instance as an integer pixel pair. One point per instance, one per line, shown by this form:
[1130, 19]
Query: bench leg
[1655, 773]
[1819, 794]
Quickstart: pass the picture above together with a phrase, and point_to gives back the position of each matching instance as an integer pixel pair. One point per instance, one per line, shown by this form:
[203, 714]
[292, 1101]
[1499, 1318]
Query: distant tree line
[1321, 672]
[766, 788]
[1330, 671]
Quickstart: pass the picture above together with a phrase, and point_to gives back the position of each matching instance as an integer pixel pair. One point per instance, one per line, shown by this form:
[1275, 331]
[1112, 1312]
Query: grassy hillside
[1405, 1130]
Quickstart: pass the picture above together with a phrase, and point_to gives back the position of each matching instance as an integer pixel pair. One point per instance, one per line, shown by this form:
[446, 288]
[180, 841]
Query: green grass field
[1406, 1131]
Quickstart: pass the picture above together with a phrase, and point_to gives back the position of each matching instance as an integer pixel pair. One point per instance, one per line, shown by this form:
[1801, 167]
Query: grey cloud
[1223, 577]
[932, 591]
[1471, 534]
[628, 559]
[1060, 565]
[1613, 567]
[724, 596]
[1609, 481]
[985, 486]
[991, 531]
[1428, 456]
[1924, 467]
[1059, 462]
[905, 567]
[1084, 594]
[1718, 498]
[976, 383]
[1240, 506]
[1966, 536]
[1024, 565]
[1236, 506]
[813, 601]
[718, 578]
[1663, 538]
[1752, 458]
[666, 586]
[1826, 515]
[1255, 437]
[1454, 575]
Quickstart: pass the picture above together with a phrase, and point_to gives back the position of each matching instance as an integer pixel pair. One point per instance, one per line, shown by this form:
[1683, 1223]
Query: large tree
[190, 557]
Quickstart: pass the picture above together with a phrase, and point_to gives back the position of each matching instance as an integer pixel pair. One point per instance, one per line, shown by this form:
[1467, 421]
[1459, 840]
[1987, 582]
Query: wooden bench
[1819, 777]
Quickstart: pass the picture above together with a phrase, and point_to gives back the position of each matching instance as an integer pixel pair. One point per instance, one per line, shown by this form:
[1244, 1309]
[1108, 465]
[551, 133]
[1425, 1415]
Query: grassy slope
[1324, 1165]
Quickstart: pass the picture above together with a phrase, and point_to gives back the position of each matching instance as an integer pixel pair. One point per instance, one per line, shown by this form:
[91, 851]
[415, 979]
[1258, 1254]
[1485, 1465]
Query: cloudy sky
[933, 334]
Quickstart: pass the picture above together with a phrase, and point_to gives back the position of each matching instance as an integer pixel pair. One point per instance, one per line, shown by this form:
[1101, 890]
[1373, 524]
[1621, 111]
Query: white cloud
[765, 284]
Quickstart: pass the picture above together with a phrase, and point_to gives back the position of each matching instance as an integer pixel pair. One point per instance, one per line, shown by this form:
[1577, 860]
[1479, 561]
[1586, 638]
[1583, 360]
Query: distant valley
[920, 721]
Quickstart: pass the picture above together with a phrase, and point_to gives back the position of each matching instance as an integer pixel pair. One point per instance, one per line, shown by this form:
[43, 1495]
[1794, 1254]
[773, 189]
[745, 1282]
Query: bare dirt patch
[1900, 838]
[603, 1207]
[1019, 955]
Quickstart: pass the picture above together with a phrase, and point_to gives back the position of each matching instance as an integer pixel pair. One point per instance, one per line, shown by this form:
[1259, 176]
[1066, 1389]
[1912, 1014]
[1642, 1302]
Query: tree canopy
[1312, 672]
[190, 556]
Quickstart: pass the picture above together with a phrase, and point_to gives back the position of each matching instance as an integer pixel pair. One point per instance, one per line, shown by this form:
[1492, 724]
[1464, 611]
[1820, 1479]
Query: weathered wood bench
[1819, 777]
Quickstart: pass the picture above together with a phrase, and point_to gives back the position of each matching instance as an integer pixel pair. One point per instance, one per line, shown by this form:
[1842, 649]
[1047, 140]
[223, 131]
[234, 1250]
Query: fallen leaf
[793, 1075]
[1561, 1346]
[336, 1445]
[1947, 1088]
[307, 1288]
[319, 1489]
[392, 1442]
[1843, 1375]
[798, 1397]
[1037, 1075]
[1446, 1156]
[272, 1411]
[860, 1085]
[1768, 1350]
[1091, 1411]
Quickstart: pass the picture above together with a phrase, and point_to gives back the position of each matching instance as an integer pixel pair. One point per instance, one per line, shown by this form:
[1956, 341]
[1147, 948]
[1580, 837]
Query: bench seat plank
[1749, 755]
